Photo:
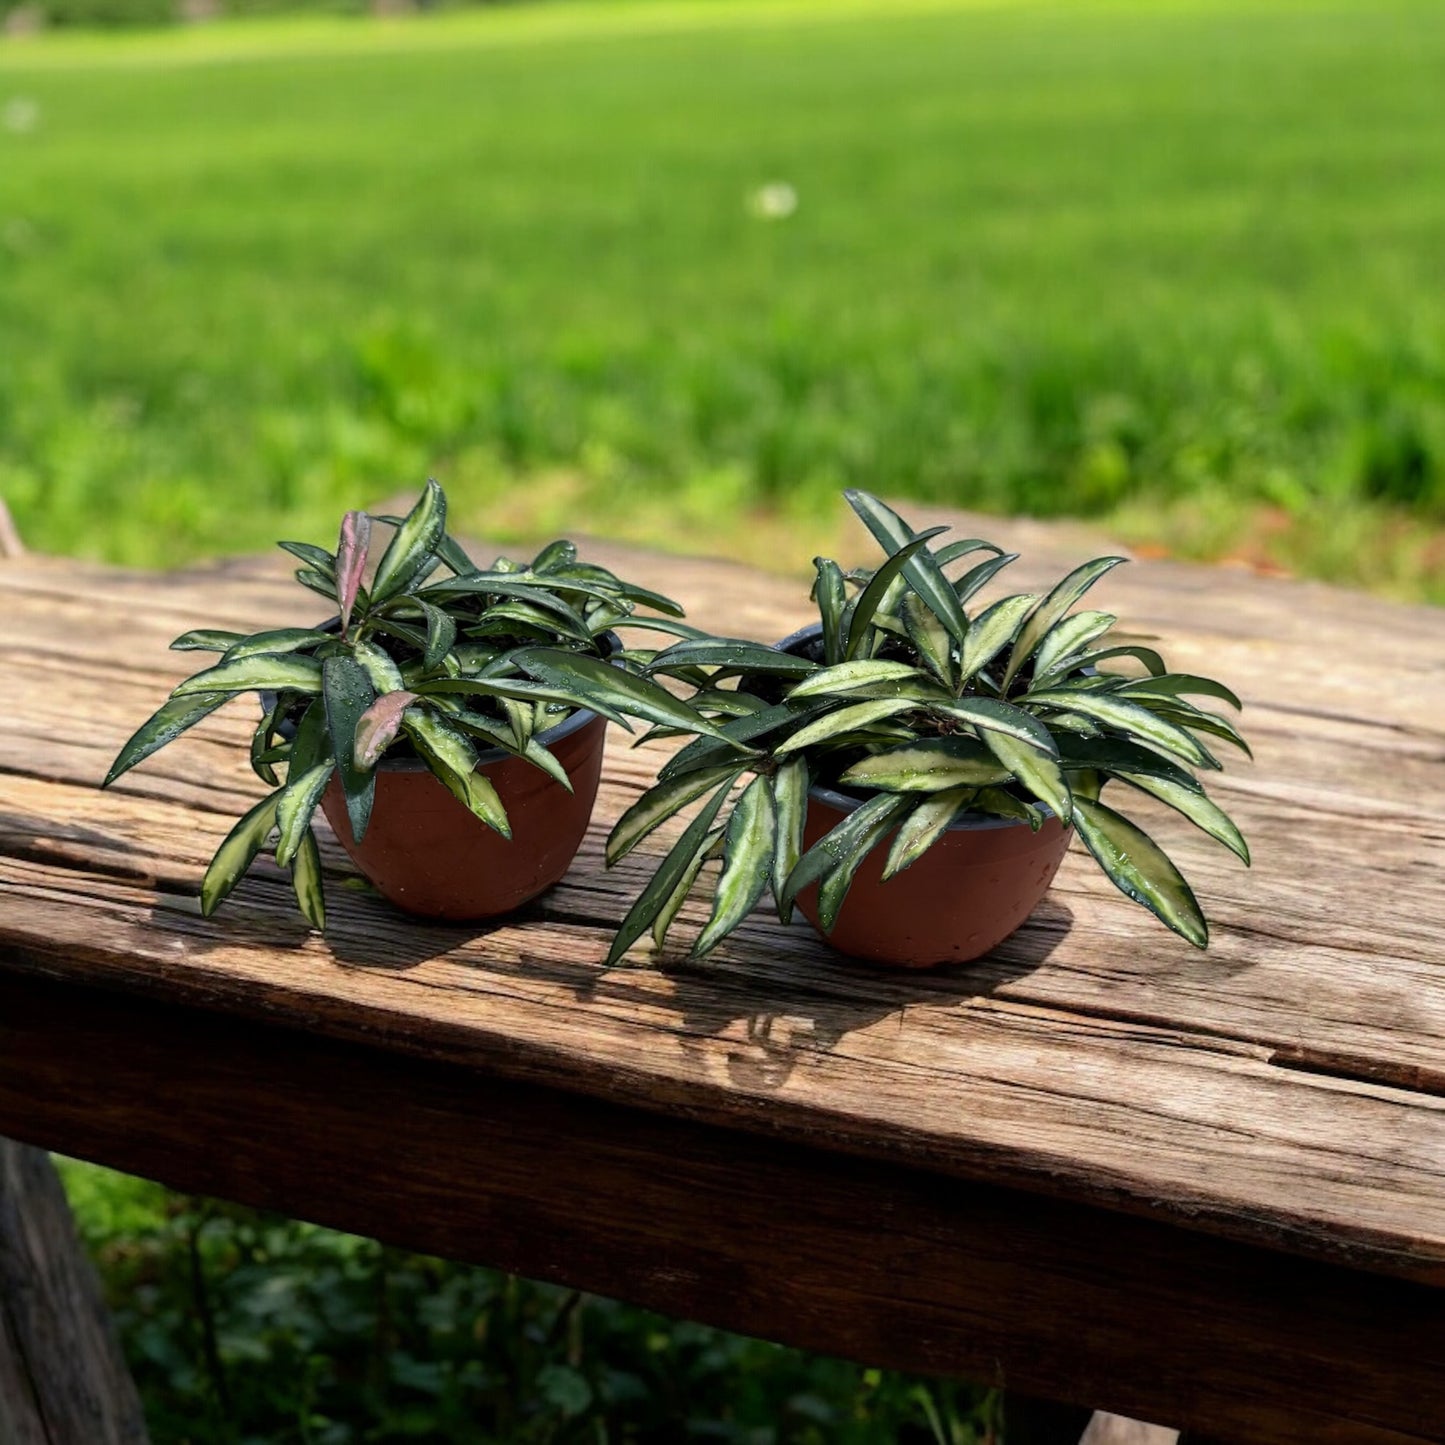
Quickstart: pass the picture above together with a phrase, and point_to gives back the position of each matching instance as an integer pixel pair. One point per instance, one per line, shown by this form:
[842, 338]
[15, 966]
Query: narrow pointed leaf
[306, 881]
[377, 727]
[747, 863]
[1117, 756]
[665, 880]
[317, 558]
[992, 630]
[524, 689]
[710, 846]
[1037, 771]
[929, 766]
[846, 720]
[1186, 715]
[311, 744]
[599, 681]
[1141, 870]
[955, 550]
[1052, 608]
[844, 677]
[977, 578]
[560, 553]
[833, 889]
[923, 827]
[659, 803]
[924, 574]
[351, 552]
[276, 641]
[385, 675]
[988, 714]
[1202, 811]
[1176, 684]
[295, 807]
[999, 804]
[237, 853]
[831, 595]
[751, 657]
[859, 616]
[1126, 717]
[413, 546]
[263, 673]
[930, 639]
[454, 762]
[322, 583]
[1070, 635]
[164, 726]
[1147, 655]
[790, 807]
[348, 693]
[835, 846]
[206, 639]
[261, 745]
[441, 634]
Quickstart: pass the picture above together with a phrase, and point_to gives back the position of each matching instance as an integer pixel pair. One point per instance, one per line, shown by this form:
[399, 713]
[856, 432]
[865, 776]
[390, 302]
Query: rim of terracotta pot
[574, 722]
[847, 802]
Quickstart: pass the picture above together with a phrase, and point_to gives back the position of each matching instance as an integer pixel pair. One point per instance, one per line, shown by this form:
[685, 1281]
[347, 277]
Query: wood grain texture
[871, 1259]
[1286, 1090]
[62, 1378]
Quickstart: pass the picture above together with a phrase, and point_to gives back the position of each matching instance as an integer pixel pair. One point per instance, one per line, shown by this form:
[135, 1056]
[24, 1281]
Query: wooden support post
[62, 1378]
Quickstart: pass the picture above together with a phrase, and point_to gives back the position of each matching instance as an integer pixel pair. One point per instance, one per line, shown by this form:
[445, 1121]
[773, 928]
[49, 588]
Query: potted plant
[448, 719]
[917, 763]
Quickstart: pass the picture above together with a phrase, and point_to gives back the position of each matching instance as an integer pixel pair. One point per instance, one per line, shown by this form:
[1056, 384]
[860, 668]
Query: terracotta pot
[963, 897]
[429, 855]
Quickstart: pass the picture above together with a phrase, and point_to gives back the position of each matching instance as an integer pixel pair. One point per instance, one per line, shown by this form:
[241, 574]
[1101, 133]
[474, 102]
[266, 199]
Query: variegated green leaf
[831, 595]
[859, 615]
[206, 639]
[321, 583]
[1052, 608]
[846, 677]
[747, 863]
[306, 881]
[1119, 755]
[849, 719]
[295, 806]
[930, 639]
[710, 847]
[237, 853]
[833, 889]
[164, 726]
[523, 689]
[923, 827]
[751, 657]
[1126, 717]
[1140, 869]
[1202, 811]
[928, 766]
[385, 675]
[790, 806]
[989, 715]
[670, 873]
[412, 549]
[951, 553]
[560, 553]
[999, 804]
[659, 803]
[441, 634]
[1186, 715]
[742, 733]
[1037, 771]
[977, 578]
[1069, 635]
[838, 845]
[261, 759]
[1152, 661]
[264, 673]
[1176, 684]
[992, 630]
[924, 574]
[277, 640]
[318, 559]
[453, 760]
[348, 693]
[599, 682]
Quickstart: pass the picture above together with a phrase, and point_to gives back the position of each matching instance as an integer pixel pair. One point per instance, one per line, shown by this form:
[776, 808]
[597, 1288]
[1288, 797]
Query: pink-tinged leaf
[351, 561]
[378, 726]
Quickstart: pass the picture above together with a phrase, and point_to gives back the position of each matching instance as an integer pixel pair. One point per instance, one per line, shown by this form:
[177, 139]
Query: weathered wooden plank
[873, 1259]
[1202, 1131]
[62, 1378]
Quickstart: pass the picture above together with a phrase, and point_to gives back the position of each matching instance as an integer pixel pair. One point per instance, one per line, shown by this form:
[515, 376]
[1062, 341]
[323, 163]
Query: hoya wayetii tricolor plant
[433, 658]
[924, 707]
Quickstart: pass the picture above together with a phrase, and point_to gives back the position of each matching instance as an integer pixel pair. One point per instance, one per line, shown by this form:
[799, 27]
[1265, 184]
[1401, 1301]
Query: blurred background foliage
[683, 268]
[677, 270]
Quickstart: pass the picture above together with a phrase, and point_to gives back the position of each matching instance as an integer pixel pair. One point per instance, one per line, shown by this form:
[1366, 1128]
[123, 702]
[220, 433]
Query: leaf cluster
[435, 659]
[925, 708]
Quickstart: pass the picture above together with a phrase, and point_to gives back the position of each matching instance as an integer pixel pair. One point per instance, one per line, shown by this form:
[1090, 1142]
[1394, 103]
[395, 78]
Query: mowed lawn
[683, 268]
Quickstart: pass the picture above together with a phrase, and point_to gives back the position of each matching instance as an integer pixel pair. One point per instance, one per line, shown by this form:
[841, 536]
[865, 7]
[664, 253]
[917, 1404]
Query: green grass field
[1174, 264]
